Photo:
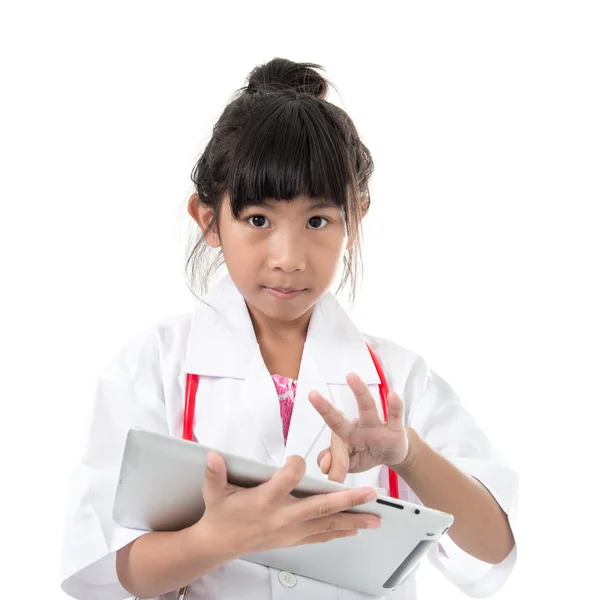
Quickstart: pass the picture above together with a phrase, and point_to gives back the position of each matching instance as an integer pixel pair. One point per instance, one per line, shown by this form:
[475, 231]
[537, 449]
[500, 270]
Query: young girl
[281, 190]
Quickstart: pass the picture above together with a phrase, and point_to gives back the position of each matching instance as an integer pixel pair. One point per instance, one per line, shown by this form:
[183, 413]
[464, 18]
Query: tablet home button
[287, 579]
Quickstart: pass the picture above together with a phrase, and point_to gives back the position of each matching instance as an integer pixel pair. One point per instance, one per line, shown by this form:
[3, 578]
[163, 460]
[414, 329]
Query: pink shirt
[286, 390]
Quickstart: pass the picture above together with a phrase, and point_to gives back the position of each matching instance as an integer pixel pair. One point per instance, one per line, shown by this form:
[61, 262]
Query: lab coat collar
[222, 341]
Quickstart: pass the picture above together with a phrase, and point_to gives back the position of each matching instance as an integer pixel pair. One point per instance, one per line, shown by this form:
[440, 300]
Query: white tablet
[160, 489]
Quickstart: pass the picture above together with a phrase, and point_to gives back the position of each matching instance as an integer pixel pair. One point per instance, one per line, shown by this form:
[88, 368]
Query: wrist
[205, 543]
[412, 452]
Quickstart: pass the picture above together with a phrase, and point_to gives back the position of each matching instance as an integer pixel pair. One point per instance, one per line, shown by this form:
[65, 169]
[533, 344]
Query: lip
[283, 293]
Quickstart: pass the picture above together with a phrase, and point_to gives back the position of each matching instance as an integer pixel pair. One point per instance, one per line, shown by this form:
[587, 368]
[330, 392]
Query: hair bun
[282, 74]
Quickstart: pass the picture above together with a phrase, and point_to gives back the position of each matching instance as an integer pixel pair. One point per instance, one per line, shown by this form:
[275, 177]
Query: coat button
[287, 579]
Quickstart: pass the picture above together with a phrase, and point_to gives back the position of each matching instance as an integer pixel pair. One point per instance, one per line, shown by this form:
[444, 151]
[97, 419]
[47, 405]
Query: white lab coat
[237, 411]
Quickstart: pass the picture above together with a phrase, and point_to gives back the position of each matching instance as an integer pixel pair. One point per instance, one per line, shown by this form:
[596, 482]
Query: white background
[481, 246]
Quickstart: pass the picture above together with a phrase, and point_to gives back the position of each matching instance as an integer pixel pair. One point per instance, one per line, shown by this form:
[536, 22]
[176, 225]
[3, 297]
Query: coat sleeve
[129, 393]
[440, 418]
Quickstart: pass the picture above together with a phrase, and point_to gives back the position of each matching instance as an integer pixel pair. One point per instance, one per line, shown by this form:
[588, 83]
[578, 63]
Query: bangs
[290, 148]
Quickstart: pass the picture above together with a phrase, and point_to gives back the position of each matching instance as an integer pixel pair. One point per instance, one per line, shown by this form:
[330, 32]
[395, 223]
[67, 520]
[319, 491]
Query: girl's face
[295, 245]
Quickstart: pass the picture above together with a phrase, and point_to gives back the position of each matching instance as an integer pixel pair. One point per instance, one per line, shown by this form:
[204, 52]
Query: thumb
[324, 460]
[215, 479]
[340, 460]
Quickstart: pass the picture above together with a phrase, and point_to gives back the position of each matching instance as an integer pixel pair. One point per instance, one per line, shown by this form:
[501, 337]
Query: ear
[203, 214]
[364, 210]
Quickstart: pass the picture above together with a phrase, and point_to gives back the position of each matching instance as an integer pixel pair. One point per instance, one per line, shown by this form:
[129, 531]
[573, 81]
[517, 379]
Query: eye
[257, 221]
[325, 221]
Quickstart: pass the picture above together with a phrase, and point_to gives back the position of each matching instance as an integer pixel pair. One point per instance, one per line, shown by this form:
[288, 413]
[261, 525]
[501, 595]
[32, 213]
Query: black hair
[279, 138]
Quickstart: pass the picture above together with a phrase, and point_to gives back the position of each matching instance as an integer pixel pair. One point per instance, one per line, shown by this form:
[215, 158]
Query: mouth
[285, 290]
[284, 293]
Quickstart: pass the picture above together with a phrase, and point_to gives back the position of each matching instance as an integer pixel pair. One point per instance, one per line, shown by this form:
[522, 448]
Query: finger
[283, 482]
[395, 420]
[321, 505]
[324, 460]
[335, 419]
[215, 479]
[340, 460]
[321, 455]
[367, 409]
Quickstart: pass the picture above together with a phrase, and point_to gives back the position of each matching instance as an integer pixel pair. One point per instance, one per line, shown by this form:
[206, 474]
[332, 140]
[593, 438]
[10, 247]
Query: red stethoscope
[191, 388]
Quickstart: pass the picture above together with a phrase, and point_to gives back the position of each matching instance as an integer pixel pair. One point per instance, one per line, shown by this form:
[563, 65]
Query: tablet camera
[417, 511]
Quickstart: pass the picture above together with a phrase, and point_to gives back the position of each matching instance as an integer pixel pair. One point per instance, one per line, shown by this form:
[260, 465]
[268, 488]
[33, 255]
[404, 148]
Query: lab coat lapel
[221, 341]
[306, 423]
[261, 407]
[222, 344]
[334, 347]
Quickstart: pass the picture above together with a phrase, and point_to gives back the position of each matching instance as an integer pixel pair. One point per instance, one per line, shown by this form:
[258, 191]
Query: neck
[266, 328]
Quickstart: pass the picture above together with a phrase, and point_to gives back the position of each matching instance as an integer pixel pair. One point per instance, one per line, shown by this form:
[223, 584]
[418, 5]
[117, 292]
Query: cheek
[242, 256]
[332, 245]
[239, 255]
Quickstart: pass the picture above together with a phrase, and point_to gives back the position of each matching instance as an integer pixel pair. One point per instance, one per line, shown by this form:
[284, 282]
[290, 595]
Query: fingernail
[370, 497]
[373, 524]
[210, 464]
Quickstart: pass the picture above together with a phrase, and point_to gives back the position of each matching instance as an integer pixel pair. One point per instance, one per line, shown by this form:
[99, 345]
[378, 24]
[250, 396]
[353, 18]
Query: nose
[286, 252]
